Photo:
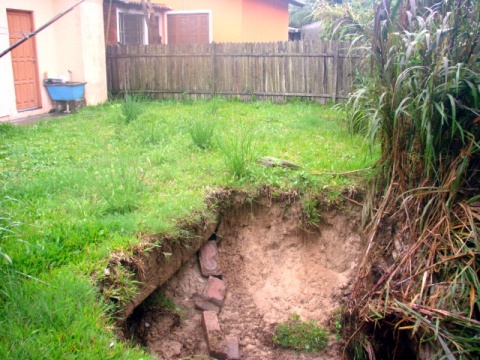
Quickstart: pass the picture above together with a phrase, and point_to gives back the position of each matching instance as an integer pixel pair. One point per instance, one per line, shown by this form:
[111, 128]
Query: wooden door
[24, 60]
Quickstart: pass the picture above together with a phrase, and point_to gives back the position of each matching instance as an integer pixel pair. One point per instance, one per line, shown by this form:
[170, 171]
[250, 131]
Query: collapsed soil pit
[272, 269]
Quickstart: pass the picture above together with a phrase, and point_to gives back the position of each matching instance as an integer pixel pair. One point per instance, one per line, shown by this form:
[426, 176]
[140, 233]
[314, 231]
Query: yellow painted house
[198, 21]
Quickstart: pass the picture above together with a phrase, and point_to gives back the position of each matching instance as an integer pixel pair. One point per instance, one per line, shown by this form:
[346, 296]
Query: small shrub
[132, 107]
[299, 335]
[202, 132]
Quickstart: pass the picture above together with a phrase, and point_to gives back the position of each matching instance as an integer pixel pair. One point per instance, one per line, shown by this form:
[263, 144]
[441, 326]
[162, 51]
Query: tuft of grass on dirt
[75, 189]
[300, 335]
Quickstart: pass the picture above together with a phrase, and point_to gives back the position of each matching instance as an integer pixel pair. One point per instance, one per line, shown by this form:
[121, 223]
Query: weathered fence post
[336, 63]
[214, 66]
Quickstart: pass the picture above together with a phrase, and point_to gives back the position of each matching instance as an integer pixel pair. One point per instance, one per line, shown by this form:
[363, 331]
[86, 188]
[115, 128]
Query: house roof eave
[296, 3]
[138, 3]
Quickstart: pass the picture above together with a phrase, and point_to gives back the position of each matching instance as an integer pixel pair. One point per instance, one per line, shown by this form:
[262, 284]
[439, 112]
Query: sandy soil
[272, 269]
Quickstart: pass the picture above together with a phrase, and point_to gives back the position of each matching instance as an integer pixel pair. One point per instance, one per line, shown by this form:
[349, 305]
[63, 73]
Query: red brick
[205, 305]
[215, 339]
[233, 349]
[209, 260]
[214, 291]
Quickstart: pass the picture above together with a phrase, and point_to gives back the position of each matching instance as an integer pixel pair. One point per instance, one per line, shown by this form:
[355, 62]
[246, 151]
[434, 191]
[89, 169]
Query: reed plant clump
[421, 104]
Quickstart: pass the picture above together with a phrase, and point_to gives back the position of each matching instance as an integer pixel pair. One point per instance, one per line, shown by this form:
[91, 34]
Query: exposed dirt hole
[272, 269]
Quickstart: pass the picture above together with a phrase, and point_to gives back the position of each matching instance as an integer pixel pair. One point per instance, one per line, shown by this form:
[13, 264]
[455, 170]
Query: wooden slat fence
[318, 70]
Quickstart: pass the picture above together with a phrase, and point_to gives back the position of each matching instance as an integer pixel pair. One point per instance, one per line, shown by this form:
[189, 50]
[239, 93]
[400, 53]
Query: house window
[131, 28]
[188, 28]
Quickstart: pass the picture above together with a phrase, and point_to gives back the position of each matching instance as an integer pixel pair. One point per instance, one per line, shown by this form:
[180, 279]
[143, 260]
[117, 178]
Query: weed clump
[202, 132]
[300, 335]
[239, 153]
[132, 107]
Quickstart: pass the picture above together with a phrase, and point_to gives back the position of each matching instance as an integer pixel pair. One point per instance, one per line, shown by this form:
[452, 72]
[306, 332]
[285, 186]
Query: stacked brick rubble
[210, 303]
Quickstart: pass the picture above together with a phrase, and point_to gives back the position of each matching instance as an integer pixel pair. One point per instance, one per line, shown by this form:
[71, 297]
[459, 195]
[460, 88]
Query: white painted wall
[7, 99]
[93, 50]
[75, 42]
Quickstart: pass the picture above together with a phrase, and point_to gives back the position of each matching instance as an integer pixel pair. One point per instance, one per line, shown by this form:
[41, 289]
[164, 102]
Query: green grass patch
[74, 189]
[300, 335]
[59, 319]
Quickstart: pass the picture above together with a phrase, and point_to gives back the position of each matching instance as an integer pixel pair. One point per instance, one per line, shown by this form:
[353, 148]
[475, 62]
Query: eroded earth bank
[272, 265]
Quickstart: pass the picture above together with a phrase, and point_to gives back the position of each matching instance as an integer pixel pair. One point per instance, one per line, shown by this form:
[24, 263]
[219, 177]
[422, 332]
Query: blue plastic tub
[65, 91]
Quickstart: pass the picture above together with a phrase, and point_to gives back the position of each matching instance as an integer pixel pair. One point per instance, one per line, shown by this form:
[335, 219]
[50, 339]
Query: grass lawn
[72, 190]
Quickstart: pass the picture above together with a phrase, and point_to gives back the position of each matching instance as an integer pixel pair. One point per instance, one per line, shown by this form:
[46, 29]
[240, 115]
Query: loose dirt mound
[272, 269]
